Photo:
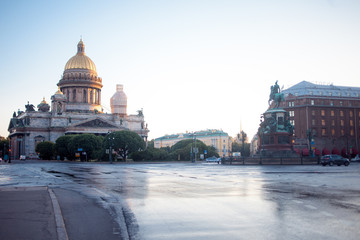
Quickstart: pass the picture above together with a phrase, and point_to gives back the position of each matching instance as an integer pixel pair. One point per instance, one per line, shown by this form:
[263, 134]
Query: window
[313, 122]
[323, 122]
[331, 103]
[323, 131]
[313, 112]
[292, 122]
[351, 113]
[341, 113]
[333, 122]
[291, 113]
[213, 142]
[341, 103]
[332, 132]
[351, 132]
[351, 123]
[341, 122]
[322, 113]
[85, 96]
[312, 102]
[342, 132]
[291, 104]
[332, 113]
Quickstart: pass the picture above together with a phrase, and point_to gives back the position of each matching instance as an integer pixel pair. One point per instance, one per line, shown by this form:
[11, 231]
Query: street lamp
[193, 148]
[111, 143]
[195, 145]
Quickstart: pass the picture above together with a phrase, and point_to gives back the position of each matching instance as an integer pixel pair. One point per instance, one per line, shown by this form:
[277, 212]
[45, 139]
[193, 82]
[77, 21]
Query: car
[356, 158]
[213, 159]
[334, 159]
[22, 157]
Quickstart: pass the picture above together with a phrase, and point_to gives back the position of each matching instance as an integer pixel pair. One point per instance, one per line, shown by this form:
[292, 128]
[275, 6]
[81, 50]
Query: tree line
[123, 145]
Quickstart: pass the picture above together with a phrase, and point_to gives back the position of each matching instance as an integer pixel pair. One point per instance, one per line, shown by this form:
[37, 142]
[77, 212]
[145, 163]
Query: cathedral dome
[80, 60]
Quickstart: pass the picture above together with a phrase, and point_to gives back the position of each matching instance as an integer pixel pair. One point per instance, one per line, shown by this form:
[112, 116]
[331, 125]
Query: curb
[59, 220]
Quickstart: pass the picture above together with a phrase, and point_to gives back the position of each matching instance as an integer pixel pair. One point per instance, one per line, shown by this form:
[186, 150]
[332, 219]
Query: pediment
[95, 123]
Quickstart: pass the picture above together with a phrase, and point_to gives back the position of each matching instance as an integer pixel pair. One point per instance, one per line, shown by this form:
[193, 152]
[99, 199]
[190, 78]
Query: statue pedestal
[276, 136]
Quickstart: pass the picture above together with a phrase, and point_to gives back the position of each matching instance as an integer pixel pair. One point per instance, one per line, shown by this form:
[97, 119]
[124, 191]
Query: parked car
[334, 159]
[356, 158]
[213, 159]
[22, 157]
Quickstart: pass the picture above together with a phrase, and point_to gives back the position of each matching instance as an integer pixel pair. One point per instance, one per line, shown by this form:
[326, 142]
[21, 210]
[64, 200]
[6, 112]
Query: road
[210, 201]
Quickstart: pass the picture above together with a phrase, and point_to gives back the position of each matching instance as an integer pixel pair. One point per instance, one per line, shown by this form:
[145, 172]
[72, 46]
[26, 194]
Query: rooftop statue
[276, 95]
[29, 107]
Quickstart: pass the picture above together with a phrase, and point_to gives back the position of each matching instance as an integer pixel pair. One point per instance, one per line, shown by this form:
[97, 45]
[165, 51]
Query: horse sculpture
[276, 95]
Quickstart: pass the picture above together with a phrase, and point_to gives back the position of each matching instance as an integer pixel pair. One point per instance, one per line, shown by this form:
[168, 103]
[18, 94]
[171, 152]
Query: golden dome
[43, 101]
[80, 60]
[58, 92]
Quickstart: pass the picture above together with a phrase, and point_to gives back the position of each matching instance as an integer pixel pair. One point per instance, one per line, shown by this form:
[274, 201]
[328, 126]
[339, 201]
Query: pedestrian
[6, 158]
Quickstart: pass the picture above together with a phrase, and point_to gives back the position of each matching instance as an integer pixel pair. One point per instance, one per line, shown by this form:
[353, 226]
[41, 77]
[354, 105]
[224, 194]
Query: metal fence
[271, 161]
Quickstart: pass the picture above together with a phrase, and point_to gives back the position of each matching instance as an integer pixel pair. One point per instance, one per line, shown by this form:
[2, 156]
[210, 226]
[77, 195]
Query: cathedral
[75, 109]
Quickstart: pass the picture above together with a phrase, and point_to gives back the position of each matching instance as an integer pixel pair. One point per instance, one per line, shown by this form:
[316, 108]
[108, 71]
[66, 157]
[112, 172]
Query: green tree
[4, 146]
[45, 150]
[236, 147]
[62, 147]
[124, 142]
[89, 143]
[181, 150]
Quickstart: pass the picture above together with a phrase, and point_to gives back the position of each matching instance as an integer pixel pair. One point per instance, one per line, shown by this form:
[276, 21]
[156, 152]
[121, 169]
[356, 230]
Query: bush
[45, 150]
[89, 143]
[62, 147]
[150, 154]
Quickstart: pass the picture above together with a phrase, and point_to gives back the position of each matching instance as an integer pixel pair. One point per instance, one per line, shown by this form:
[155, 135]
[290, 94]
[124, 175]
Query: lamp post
[111, 142]
[195, 146]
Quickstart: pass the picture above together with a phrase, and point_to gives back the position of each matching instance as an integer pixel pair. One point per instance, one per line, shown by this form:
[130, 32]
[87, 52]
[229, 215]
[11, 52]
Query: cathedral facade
[75, 109]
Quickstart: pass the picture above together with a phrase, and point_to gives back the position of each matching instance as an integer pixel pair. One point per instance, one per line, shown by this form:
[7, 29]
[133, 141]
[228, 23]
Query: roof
[307, 88]
[199, 134]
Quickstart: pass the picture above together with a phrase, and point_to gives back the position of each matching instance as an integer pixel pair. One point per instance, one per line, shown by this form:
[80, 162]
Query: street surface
[205, 200]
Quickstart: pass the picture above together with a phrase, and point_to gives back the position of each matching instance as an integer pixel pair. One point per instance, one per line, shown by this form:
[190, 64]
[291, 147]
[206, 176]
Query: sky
[189, 64]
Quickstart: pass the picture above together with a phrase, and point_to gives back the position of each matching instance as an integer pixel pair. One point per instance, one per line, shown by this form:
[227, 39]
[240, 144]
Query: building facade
[215, 138]
[75, 109]
[326, 118]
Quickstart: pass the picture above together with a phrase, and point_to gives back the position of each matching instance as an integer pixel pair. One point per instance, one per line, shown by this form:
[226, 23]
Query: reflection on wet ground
[203, 201]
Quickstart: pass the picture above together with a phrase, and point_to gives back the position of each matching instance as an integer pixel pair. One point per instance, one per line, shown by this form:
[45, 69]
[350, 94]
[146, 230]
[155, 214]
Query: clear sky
[190, 64]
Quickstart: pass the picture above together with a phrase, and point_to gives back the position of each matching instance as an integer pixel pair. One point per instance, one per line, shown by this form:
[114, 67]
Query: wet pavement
[207, 201]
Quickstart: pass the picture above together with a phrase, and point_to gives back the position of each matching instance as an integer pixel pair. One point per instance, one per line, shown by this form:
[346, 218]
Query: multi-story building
[325, 117]
[215, 138]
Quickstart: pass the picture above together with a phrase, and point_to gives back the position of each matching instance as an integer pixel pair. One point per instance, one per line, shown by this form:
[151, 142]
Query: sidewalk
[34, 213]
[26, 213]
